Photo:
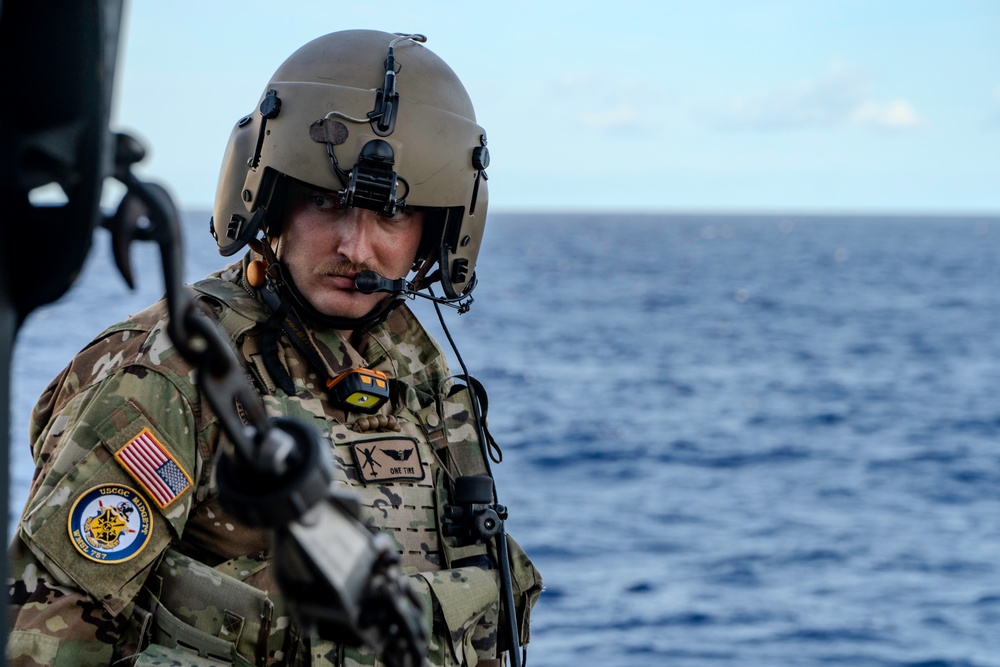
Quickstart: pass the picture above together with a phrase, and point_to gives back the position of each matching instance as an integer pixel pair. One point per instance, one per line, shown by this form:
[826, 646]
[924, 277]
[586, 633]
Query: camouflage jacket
[123, 518]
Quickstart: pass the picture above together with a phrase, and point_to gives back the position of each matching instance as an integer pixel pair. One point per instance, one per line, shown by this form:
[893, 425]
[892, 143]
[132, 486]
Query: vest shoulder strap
[237, 311]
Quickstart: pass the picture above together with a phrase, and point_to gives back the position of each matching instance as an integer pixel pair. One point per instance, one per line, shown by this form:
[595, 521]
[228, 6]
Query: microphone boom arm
[369, 282]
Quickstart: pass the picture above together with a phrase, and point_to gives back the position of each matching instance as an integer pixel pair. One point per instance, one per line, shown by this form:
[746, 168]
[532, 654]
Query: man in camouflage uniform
[363, 155]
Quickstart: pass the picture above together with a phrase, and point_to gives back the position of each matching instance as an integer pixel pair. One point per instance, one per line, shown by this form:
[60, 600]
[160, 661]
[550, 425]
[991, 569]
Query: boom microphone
[369, 282]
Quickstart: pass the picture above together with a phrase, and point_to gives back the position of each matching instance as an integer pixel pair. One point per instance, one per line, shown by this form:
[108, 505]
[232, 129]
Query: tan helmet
[377, 118]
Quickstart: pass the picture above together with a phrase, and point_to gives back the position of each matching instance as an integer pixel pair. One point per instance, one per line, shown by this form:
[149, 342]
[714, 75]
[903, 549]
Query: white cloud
[897, 115]
[841, 97]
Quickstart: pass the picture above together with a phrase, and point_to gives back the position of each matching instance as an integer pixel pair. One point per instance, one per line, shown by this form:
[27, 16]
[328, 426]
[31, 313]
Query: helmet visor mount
[371, 184]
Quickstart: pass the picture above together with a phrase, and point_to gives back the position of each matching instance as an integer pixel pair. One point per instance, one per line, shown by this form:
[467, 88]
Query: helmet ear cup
[458, 251]
[232, 224]
[242, 227]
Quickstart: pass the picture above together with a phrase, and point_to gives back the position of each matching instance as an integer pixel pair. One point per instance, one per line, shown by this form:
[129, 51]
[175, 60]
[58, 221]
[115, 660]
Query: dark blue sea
[728, 440]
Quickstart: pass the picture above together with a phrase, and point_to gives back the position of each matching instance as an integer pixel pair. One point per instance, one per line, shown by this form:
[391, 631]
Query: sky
[882, 106]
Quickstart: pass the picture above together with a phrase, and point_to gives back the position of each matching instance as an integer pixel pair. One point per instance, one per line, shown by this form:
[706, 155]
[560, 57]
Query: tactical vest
[400, 468]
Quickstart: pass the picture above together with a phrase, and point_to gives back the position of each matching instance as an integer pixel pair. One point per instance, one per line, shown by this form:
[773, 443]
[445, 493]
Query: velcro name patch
[154, 467]
[392, 459]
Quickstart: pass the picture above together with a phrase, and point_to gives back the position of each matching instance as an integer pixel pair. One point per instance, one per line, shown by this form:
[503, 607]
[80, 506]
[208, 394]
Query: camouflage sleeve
[112, 490]
[53, 624]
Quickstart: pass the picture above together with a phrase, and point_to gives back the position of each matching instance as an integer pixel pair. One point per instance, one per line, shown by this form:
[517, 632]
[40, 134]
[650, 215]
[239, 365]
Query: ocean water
[728, 440]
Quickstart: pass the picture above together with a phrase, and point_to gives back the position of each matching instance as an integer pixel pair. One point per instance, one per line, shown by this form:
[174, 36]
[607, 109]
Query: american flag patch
[151, 465]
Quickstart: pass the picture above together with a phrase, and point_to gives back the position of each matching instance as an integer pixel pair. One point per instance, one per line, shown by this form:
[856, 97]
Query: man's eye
[325, 202]
[403, 214]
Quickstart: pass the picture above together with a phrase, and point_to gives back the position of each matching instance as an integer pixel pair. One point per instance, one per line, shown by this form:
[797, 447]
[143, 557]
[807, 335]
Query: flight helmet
[381, 121]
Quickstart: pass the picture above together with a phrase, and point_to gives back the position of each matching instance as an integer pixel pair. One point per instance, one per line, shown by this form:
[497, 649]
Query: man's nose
[354, 239]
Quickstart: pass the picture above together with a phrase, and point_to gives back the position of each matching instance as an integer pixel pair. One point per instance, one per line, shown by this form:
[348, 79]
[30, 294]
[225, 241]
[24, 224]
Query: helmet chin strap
[280, 282]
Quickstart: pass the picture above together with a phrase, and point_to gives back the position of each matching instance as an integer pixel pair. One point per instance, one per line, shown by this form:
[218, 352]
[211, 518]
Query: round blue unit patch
[110, 523]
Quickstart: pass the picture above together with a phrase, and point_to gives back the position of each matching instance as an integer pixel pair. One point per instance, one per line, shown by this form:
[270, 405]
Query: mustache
[340, 268]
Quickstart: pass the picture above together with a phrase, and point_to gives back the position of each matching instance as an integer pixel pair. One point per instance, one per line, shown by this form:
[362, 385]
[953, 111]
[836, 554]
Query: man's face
[325, 246]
